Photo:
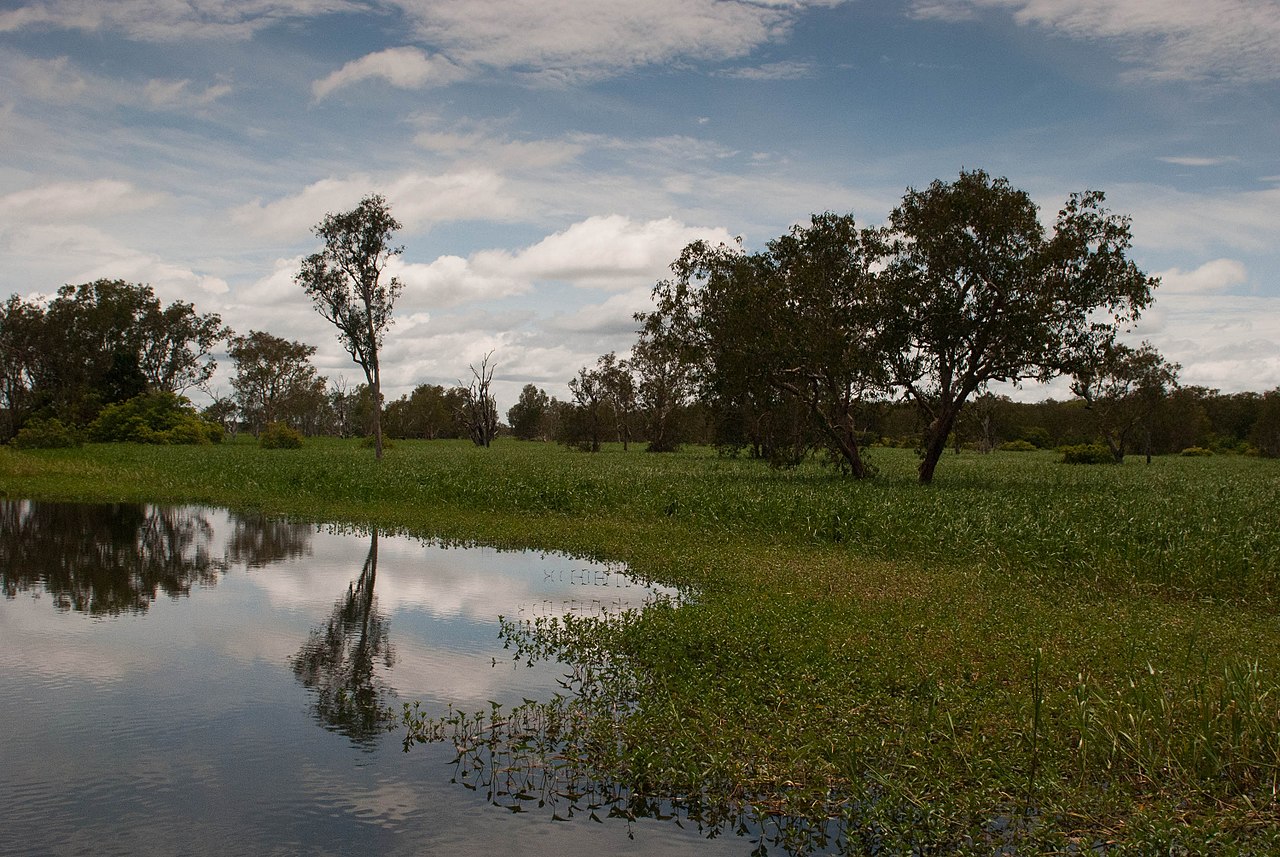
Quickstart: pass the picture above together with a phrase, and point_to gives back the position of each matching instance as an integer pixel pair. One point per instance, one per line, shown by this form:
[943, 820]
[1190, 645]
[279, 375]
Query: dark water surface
[191, 681]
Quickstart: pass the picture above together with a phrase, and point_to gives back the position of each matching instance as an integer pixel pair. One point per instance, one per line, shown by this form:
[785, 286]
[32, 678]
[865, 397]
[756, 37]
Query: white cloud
[164, 20]
[1201, 223]
[1191, 161]
[605, 252]
[403, 67]
[62, 201]
[772, 71]
[1227, 342]
[613, 317]
[1225, 40]
[417, 200]
[564, 41]
[168, 94]
[59, 81]
[1210, 278]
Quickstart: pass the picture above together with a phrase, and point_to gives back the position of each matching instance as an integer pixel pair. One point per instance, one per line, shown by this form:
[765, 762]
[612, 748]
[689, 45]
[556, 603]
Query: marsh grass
[1025, 654]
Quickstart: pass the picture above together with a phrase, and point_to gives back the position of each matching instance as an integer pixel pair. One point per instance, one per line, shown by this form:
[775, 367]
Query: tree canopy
[963, 287]
[344, 281]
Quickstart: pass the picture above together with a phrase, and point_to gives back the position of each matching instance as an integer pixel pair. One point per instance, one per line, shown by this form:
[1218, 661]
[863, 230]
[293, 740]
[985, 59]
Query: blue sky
[549, 158]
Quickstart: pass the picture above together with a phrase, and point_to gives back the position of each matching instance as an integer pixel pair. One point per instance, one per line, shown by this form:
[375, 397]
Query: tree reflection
[257, 540]
[339, 661]
[105, 560]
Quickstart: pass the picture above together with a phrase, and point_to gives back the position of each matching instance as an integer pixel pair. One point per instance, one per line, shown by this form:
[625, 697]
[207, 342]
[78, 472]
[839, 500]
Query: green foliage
[45, 434]
[1196, 452]
[1086, 453]
[1037, 436]
[1018, 446]
[280, 436]
[158, 418]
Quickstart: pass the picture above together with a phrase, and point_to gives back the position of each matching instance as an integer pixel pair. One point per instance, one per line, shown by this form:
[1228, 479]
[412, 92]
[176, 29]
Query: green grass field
[1025, 652]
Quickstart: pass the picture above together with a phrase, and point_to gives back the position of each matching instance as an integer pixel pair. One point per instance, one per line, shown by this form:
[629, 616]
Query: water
[191, 681]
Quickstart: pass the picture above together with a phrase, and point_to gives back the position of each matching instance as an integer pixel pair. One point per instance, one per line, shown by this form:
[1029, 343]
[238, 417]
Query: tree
[664, 360]
[1265, 434]
[175, 345]
[619, 387]
[795, 325]
[428, 412]
[478, 410]
[528, 416]
[977, 292]
[344, 281]
[274, 378]
[586, 422]
[824, 341]
[20, 336]
[97, 344]
[1122, 386]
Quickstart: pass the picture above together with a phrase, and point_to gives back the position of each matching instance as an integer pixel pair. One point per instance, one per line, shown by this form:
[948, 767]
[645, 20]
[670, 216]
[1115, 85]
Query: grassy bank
[1024, 652]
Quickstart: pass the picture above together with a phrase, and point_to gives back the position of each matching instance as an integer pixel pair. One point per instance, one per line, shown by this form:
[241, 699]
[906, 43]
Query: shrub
[1086, 453]
[1196, 451]
[280, 436]
[1037, 436]
[45, 434]
[1018, 446]
[368, 442]
[159, 418]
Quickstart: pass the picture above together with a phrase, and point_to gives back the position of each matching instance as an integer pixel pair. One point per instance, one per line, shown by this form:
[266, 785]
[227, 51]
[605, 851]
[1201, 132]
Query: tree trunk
[376, 384]
[936, 442]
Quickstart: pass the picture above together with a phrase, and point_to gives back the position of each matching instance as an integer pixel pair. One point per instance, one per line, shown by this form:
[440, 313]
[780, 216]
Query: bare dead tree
[478, 410]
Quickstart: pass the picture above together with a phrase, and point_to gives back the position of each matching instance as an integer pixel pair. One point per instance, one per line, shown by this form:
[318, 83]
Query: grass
[1025, 653]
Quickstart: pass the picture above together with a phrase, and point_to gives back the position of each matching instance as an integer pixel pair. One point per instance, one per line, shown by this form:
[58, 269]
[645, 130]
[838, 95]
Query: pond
[190, 680]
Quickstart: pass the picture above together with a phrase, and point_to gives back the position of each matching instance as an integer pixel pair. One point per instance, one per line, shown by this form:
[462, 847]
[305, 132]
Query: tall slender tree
[344, 281]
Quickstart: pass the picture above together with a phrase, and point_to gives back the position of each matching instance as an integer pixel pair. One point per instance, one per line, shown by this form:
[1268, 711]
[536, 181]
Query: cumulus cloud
[605, 252]
[1212, 277]
[417, 200]
[1227, 342]
[403, 67]
[1223, 40]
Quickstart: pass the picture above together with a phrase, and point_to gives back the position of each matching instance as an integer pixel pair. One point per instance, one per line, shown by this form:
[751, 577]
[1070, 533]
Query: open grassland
[1023, 653]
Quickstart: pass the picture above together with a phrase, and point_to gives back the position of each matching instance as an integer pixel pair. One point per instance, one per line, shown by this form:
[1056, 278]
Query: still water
[192, 681]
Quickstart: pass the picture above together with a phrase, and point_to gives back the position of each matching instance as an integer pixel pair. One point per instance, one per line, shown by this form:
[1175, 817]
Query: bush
[45, 434]
[280, 436]
[1018, 446]
[368, 442]
[1037, 436]
[159, 418]
[1196, 451]
[1086, 453]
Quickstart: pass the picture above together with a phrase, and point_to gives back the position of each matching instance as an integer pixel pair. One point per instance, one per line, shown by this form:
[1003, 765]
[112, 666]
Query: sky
[548, 159]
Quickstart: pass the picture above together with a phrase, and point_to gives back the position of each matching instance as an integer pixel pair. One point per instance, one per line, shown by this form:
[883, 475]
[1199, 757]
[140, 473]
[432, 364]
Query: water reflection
[105, 560]
[257, 541]
[338, 661]
[199, 714]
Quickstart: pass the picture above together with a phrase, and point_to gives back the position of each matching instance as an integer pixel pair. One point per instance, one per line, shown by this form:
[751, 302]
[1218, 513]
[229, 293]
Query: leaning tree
[344, 281]
[977, 291]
